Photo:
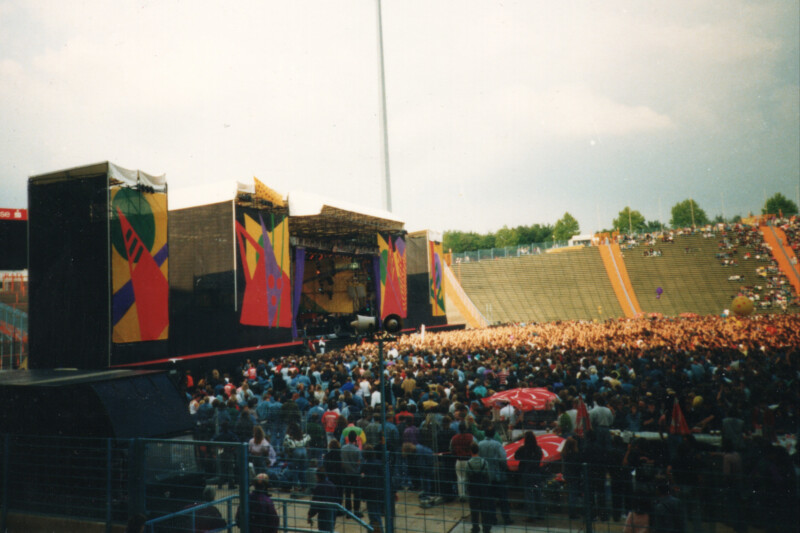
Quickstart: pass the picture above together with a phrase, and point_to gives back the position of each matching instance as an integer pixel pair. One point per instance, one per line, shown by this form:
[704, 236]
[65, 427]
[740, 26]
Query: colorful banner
[263, 240]
[139, 269]
[394, 286]
[435, 279]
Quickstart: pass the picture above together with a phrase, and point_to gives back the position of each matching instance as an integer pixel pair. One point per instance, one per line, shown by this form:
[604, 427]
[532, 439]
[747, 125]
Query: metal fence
[13, 337]
[203, 486]
[507, 251]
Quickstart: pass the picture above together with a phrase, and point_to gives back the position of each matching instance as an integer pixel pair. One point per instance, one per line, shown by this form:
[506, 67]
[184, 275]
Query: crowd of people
[310, 415]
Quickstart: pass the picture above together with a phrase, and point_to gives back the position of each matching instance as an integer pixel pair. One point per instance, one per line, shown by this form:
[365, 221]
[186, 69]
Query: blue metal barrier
[13, 330]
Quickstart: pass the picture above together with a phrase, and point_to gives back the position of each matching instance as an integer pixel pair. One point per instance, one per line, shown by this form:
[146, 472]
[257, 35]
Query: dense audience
[735, 379]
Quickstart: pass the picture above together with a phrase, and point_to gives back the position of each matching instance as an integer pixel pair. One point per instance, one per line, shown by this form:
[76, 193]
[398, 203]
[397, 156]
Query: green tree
[486, 241]
[651, 226]
[566, 228]
[629, 220]
[460, 241]
[506, 237]
[687, 214]
[777, 204]
[534, 233]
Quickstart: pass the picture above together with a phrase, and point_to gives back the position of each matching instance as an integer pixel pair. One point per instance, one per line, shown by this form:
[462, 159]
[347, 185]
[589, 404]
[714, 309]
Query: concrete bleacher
[690, 276]
[574, 285]
[571, 285]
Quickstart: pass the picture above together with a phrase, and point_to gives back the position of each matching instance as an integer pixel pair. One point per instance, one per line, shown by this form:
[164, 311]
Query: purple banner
[299, 270]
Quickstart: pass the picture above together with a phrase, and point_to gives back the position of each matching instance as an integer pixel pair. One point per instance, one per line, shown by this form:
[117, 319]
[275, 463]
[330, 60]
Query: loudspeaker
[363, 324]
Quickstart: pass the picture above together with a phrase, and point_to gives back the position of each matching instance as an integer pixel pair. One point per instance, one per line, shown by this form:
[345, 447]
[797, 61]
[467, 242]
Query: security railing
[183, 485]
[506, 251]
[13, 337]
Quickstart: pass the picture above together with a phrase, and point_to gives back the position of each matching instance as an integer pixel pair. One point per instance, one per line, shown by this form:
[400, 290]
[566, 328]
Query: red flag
[582, 423]
[677, 423]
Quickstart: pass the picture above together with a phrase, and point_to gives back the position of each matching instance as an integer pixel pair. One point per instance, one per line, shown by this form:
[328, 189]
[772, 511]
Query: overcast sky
[499, 113]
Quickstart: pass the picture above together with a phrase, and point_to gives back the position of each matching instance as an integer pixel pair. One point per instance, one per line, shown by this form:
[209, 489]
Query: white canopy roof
[208, 193]
[308, 204]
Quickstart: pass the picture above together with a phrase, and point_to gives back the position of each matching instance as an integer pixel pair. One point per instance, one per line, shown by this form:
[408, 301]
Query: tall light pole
[384, 124]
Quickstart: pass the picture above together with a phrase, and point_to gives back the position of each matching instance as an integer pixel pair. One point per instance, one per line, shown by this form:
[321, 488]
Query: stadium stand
[541, 288]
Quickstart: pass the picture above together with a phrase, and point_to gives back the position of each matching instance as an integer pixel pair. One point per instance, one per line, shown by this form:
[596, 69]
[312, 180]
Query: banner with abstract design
[139, 269]
[394, 285]
[263, 256]
[436, 279]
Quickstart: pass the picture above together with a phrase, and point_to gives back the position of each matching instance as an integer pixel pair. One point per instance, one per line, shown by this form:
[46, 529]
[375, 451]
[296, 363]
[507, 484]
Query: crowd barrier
[177, 484]
[13, 337]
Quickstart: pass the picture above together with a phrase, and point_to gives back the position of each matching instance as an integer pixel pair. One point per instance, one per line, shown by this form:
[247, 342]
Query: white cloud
[484, 97]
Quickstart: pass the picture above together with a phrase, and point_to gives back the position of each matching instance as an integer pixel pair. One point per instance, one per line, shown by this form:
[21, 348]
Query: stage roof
[311, 216]
[116, 175]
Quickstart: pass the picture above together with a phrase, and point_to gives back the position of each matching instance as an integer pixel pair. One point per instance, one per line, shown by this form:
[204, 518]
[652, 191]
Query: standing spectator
[373, 487]
[460, 448]
[529, 456]
[601, 418]
[351, 465]
[323, 492]
[260, 451]
[667, 511]
[295, 444]
[244, 425]
[330, 418]
[479, 489]
[263, 517]
[319, 440]
[332, 465]
[494, 454]
[571, 470]
[227, 457]
[421, 468]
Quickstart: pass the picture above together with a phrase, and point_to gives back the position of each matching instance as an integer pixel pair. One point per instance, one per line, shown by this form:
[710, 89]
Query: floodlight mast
[387, 185]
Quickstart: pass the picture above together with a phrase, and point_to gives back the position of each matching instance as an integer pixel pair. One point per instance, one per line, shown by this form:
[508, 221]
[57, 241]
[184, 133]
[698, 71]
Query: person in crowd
[352, 460]
[529, 456]
[323, 492]
[573, 475]
[295, 444]
[260, 451]
[332, 465]
[494, 454]
[421, 468]
[263, 516]
[668, 513]
[372, 486]
[479, 491]
[227, 458]
[460, 449]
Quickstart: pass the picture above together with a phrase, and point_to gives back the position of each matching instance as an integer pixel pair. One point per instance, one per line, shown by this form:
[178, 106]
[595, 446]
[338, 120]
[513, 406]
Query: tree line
[683, 215]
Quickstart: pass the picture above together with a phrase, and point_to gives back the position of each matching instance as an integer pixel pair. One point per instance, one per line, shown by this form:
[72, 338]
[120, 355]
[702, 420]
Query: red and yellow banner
[139, 269]
[436, 278]
[394, 285]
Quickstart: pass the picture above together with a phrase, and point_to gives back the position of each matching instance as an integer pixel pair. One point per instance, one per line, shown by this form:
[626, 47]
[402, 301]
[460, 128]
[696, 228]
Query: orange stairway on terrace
[618, 275]
[776, 239]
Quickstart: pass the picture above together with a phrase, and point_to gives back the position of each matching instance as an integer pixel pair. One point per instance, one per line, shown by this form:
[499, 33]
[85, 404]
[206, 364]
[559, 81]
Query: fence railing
[187, 486]
[13, 337]
[507, 251]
